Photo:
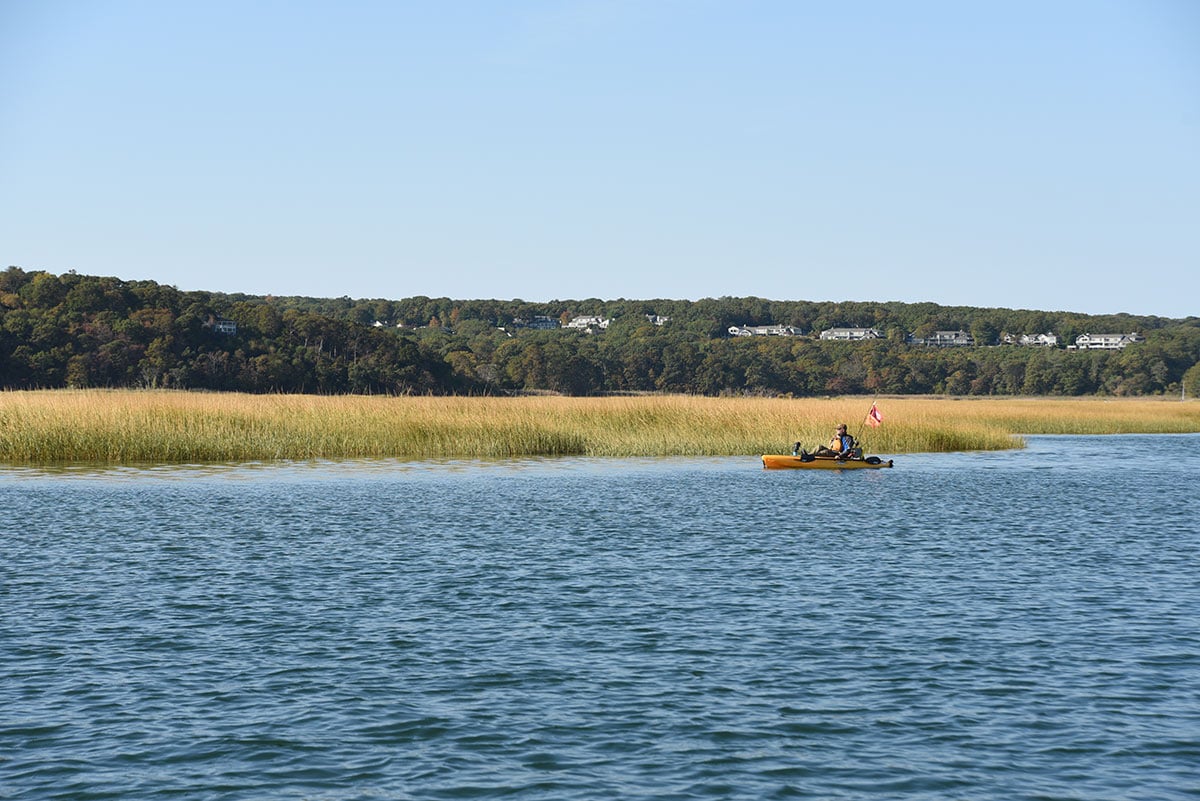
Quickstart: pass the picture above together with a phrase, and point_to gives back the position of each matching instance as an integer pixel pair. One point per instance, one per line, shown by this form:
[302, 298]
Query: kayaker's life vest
[850, 447]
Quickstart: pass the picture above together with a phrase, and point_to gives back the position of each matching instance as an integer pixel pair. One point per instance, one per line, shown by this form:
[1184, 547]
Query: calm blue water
[1021, 625]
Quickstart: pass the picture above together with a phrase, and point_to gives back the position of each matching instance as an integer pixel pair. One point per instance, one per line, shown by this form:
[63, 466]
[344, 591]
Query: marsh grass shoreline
[170, 427]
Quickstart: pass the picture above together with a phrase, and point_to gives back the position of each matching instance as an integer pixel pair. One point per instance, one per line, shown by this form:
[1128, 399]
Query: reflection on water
[322, 469]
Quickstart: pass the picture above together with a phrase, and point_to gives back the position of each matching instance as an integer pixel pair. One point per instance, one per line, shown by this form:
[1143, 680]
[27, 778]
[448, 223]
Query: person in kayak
[841, 446]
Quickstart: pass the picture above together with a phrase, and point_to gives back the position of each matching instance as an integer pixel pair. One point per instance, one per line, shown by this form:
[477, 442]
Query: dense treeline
[85, 331]
[82, 331]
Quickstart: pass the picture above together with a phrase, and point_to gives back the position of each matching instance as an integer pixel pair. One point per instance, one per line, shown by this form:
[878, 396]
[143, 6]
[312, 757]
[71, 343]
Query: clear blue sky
[1023, 153]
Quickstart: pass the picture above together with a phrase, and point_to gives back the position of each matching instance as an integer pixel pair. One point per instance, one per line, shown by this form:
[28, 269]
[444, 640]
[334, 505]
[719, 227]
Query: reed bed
[143, 427]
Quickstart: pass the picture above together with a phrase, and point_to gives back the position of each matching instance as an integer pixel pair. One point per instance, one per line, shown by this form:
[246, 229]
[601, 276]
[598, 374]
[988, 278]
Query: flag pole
[865, 416]
[873, 417]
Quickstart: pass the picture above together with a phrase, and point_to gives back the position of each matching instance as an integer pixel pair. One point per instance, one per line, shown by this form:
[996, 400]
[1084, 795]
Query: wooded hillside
[86, 331]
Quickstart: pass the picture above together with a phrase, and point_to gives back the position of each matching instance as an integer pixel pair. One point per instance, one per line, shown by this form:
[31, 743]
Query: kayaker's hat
[841, 427]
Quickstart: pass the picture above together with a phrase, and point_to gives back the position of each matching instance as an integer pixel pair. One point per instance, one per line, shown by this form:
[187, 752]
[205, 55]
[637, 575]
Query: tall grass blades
[131, 427]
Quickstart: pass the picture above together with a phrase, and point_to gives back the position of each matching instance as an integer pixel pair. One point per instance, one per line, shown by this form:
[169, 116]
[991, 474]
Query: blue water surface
[1014, 625]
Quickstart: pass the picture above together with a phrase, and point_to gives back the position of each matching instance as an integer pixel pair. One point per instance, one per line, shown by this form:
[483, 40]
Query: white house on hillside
[764, 331]
[1107, 341]
[589, 322]
[223, 326]
[850, 334]
[946, 339]
[1033, 340]
[540, 321]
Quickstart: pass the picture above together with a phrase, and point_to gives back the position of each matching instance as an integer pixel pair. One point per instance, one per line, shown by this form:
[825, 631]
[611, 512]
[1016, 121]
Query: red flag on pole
[874, 418]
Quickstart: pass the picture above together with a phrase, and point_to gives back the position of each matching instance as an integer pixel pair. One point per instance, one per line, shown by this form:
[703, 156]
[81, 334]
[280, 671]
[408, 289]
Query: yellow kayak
[783, 461]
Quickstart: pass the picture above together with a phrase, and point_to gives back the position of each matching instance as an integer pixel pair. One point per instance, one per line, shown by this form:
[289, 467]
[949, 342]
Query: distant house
[764, 331]
[588, 323]
[1033, 340]
[657, 319]
[538, 321]
[946, 339]
[850, 334]
[222, 326]
[1107, 341]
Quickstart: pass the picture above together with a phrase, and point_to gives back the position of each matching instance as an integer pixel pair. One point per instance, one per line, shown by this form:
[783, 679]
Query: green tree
[1191, 382]
[985, 332]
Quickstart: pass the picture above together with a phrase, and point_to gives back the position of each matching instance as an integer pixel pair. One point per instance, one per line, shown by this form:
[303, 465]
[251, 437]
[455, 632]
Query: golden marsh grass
[133, 427]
